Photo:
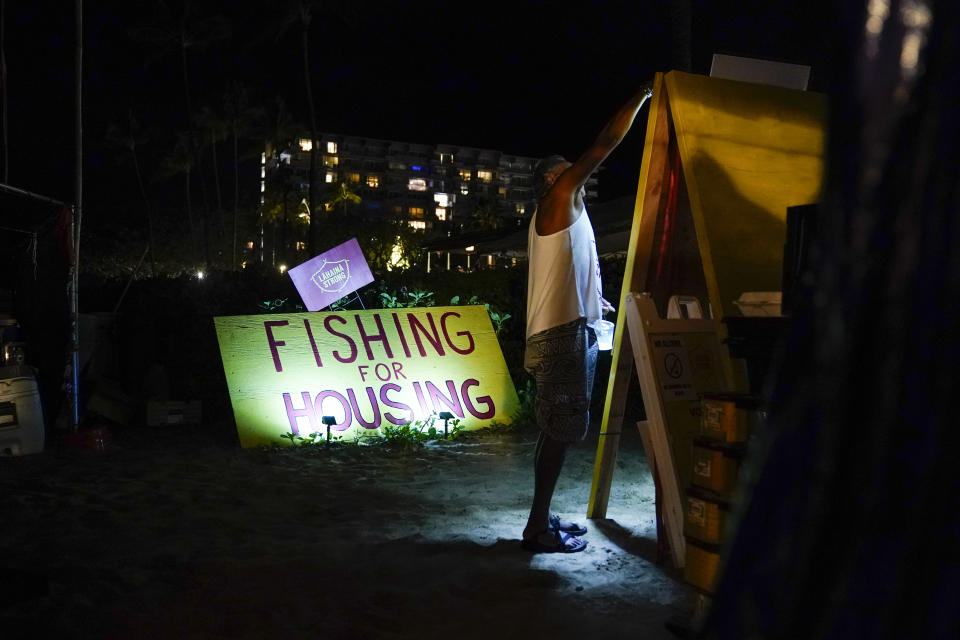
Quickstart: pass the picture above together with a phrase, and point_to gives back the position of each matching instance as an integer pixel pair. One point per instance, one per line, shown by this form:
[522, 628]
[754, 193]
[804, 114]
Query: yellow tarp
[748, 152]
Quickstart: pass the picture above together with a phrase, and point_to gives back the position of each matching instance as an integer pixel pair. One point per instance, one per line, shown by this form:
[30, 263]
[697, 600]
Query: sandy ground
[177, 534]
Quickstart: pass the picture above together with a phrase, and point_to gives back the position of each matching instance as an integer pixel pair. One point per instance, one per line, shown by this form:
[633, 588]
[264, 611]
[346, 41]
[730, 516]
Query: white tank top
[564, 276]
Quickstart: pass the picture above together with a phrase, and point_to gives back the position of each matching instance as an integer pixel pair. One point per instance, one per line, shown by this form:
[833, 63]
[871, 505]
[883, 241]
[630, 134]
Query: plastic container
[21, 414]
[604, 330]
[13, 354]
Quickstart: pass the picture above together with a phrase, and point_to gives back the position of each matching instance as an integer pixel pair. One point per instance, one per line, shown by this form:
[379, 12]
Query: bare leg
[549, 455]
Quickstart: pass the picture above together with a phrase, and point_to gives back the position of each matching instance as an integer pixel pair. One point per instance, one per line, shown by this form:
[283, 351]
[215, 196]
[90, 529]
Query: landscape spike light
[328, 420]
[445, 415]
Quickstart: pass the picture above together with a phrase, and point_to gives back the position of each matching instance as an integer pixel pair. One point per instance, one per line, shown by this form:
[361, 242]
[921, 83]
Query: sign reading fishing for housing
[331, 275]
[367, 369]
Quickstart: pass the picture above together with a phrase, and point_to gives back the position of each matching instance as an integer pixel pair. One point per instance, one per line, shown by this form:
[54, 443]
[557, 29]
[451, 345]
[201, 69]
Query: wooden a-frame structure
[722, 161]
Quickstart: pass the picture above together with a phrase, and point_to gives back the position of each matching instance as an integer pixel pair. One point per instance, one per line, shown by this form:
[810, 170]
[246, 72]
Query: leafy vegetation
[168, 320]
[404, 298]
[404, 436]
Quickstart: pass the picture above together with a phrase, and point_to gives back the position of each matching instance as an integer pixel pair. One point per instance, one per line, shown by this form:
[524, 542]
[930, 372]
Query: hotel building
[435, 189]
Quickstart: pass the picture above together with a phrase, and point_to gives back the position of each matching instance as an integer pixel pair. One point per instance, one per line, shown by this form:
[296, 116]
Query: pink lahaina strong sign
[331, 275]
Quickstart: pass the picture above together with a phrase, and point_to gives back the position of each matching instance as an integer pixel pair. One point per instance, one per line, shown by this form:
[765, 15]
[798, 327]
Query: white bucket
[604, 330]
[21, 417]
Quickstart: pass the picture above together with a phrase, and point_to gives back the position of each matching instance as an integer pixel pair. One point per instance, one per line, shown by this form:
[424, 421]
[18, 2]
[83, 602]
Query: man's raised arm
[607, 140]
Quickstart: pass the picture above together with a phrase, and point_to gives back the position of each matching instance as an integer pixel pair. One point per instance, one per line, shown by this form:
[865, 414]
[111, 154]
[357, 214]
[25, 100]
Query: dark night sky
[525, 77]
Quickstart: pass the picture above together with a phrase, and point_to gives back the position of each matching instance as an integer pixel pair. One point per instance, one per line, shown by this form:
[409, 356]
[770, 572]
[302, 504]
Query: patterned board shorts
[563, 361]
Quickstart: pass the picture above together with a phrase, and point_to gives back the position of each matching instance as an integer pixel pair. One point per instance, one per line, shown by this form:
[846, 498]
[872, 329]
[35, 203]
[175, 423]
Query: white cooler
[21, 414]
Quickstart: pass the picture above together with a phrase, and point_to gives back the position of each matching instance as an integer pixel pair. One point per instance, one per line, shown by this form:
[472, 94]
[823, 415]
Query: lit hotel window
[373, 182]
[331, 176]
[465, 175]
[486, 176]
[446, 158]
[441, 213]
[331, 147]
[301, 245]
[416, 212]
[502, 191]
[417, 184]
[306, 144]
[354, 177]
[441, 199]
[397, 209]
[330, 161]
[464, 189]
[521, 209]
[418, 224]
[249, 245]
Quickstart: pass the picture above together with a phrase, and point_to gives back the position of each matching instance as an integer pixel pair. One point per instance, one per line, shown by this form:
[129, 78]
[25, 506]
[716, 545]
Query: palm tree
[215, 128]
[172, 32]
[179, 32]
[681, 26]
[128, 139]
[380, 240]
[241, 118]
[486, 215]
[280, 131]
[342, 195]
[180, 161]
[300, 14]
[276, 212]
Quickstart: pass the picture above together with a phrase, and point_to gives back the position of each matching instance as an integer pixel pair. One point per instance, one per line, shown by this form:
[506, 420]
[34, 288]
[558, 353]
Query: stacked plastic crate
[726, 422]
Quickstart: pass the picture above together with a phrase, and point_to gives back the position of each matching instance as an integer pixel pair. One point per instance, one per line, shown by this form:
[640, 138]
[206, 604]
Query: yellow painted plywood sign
[367, 369]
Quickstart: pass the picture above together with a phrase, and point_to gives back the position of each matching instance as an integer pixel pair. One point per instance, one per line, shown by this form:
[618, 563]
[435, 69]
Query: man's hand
[647, 88]
[605, 306]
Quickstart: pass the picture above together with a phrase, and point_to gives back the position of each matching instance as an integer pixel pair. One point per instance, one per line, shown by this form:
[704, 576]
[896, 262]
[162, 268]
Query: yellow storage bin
[701, 566]
[716, 465]
[728, 417]
[706, 516]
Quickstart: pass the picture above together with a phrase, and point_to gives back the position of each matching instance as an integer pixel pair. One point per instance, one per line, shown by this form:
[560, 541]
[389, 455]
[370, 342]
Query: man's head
[546, 172]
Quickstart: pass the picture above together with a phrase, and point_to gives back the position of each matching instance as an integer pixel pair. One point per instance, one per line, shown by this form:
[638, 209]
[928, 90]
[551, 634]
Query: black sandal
[574, 529]
[565, 543]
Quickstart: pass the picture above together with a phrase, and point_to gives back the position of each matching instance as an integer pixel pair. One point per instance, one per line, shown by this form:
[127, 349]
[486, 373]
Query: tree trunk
[216, 178]
[314, 236]
[848, 528]
[285, 229]
[195, 151]
[236, 198]
[3, 86]
[681, 19]
[193, 230]
[146, 209]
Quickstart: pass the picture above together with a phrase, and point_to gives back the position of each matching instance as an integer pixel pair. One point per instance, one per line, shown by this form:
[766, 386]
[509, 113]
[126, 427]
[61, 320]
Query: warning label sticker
[673, 367]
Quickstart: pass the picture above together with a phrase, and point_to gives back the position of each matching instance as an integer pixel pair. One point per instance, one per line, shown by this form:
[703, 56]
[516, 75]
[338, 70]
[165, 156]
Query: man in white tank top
[564, 302]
